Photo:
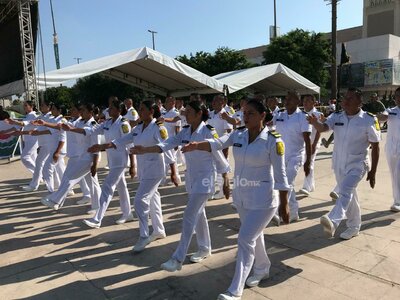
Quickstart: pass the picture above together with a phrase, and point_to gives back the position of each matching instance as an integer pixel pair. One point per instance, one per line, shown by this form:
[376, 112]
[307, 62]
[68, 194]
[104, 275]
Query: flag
[344, 57]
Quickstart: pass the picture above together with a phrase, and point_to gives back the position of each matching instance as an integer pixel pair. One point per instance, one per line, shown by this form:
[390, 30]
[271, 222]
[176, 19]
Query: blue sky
[93, 28]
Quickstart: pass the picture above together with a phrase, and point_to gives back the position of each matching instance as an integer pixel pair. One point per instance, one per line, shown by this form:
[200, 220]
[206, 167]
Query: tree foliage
[223, 60]
[60, 95]
[305, 52]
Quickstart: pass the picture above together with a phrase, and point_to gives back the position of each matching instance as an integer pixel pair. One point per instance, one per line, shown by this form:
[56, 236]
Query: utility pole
[78, 59]
[55, 38]
[334, 78]
[152, 37]
[275, 30]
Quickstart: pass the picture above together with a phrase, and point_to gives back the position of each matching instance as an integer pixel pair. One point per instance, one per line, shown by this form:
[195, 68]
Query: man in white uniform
[355, 131]
[295, 130]
[131, 113]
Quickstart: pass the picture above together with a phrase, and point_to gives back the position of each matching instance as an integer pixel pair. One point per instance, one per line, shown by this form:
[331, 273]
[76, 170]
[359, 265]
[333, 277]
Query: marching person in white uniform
[150, 172]
[354, 130]
[392, 148]
[259, 169]
[295, 130]
[30, 143]
[236, 119]
[200, 178]
[309, 181]
[81, 165]
[114, 128]
[131, 114]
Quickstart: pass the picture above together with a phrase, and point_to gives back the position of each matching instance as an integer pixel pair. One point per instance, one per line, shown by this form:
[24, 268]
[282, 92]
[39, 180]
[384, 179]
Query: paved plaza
[53, 255]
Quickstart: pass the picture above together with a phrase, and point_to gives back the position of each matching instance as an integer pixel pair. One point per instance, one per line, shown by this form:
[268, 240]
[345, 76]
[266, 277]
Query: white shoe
[349, 233]
[255, 279]
[71, 193]
[50, 204]
[218, 195]
[84, 200]
[124, 219]
[294, 217]
[329, 227]
[28, 188]
[200, 255]
[395, 208]
[141, 244]
[92, 223]
[304, 192]
[276, 220]
[334, 195]
[171, 265]
[228, 296]
[157, 236]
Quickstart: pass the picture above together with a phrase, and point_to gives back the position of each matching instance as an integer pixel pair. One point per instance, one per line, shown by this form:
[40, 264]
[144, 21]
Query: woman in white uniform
[259, 169]
[30, 143]
[200, 169]
[151, 170]
[82, 165]
[114, 128]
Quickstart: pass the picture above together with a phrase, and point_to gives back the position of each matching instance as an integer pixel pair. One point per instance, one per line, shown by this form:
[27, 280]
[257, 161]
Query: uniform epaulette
[124, 120]
[109, 118]
[371, 114]
[210, 127]
[186, 126]
[241, 128]
[141, 122]
[281, 110]
[159, 123]
[274, 134]
[304, 112]
[338, 112]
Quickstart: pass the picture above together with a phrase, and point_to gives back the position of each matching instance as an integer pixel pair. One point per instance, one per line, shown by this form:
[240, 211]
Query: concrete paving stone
[388, 269]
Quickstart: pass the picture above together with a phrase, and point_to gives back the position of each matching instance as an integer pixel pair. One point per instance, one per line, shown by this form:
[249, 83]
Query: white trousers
[347, 205]
[76, 170]
[53, 171]
[309, 181]
[29, 155]
[394, 168]
[84, 188]
[293, 166]
[114, 180]
[251, 247]
[148, 201]
[194, 220]
[39, 164]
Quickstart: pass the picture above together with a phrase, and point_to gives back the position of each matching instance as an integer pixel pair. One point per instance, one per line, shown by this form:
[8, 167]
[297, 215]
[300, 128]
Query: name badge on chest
[134, 134]
[280, 120]
[339, 124]
[105, 128]
[393, 114]
[237, 145]
[185, 142]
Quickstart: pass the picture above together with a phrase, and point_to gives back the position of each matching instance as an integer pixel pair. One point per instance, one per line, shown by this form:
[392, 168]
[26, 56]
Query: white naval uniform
[309, 181]
[220, 125]
[150, 172]
[292, 127]
[392, 150]
[131, 114]
[200, 178]
[350, 161]
[53, 171]
[239, 116]
[117, 162]
[30, 143]
[106, 113]
[259, 169]
[79, 166]
[171, 128]
[74, 151]
[43, 143]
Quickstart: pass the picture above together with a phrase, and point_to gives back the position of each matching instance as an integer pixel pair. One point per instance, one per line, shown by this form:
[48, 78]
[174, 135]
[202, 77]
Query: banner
[379, 72]
[7, 145]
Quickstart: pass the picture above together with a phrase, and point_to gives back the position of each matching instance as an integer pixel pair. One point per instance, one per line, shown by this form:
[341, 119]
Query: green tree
[223, 60]
[302, 51]
[60, 95]
[98, 88]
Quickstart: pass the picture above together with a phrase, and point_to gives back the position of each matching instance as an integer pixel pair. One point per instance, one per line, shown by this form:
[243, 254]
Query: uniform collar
[311, 111]
[359, 114]
[199, 128]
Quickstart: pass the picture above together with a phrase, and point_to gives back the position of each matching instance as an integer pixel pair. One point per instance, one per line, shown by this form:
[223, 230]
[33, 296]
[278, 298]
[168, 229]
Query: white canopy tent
[274, 79]
[144, 68]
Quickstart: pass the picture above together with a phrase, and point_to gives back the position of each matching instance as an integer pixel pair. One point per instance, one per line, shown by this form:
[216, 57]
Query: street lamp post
[152, 37]
[78, 59]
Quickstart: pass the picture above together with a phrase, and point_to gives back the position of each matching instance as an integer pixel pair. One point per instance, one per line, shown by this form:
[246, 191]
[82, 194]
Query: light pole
[78, 59]
[275, 30]
[152, 37]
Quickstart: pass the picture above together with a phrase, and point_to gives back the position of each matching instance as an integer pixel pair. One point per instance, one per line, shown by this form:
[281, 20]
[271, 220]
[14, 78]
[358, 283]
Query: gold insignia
[377, 126]
[134, 113]
[214, 134]
[125, 128]
[280, 148]
[163, 133]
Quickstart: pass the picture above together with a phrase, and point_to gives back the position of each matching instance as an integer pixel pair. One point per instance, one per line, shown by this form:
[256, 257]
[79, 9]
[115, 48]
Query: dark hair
[309, 96]
[260, 108]
[356, 91]
[4, 115]
[120, 106]
[60, 107]
[151, 105]
[294, 94]
[198, 106]
[88, 106]
[47, 103]
[397, 90]
[31, 104]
